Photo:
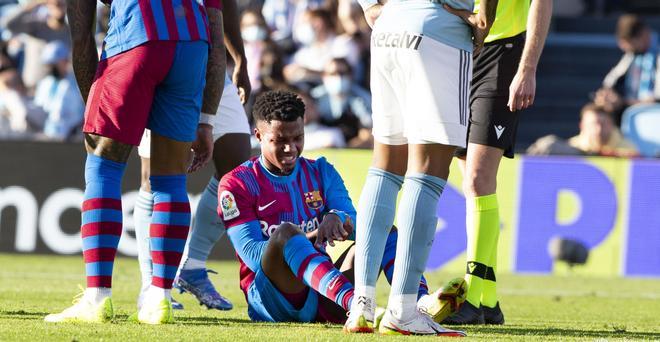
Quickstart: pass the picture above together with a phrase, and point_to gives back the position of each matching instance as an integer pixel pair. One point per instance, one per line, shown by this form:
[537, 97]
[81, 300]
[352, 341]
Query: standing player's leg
[232, 148]
[174, 125]
[142, 219]
[417, 221]
[131, 77]
[482, 227]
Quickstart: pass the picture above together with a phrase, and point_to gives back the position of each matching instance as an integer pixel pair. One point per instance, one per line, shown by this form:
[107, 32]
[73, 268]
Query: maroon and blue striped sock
[387, 263]
[101, 218]
[317, 271]
[170, 223]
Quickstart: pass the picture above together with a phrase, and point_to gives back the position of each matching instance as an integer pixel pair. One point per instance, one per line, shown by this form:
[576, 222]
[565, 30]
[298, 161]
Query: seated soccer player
[280, 210]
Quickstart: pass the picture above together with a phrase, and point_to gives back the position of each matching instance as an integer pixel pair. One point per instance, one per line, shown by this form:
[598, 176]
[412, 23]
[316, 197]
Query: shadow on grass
[22, 314]
[237, 322]
[550, 331]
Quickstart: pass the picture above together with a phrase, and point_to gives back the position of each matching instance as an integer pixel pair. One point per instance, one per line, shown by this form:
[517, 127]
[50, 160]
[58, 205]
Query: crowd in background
[318, 48]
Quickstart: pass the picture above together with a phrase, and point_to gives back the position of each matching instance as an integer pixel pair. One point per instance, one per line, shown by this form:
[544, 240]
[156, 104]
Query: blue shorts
[267, 304]
[158, 85]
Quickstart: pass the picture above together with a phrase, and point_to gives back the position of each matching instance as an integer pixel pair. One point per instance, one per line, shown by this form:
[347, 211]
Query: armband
[342, 215]
[206, 119]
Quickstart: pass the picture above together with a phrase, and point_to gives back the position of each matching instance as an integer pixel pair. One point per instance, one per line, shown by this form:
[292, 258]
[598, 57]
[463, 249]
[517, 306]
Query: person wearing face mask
[57, 94]
[343, 104]
[256, 40]
[41, 22]
[319, 45]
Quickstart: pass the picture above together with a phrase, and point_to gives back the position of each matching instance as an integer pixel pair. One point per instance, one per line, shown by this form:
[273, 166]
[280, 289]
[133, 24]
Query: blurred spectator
[635, 79]
[599, 135]
[41, 22]
[282, 16]
[15, 109]
[319, 45]
[256, 39]
[57, 94]
[318, 135]
[355, 30]
[343, 104]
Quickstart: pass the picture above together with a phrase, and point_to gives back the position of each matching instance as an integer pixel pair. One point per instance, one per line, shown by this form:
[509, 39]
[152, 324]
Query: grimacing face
[282, 143]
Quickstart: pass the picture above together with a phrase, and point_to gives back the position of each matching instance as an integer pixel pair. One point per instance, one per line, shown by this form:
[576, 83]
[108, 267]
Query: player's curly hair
[280, 105]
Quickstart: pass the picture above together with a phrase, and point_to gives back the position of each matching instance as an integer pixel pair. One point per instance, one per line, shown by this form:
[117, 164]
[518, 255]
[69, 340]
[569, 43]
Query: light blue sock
[142, 219]
[207, 228]
[416, 221]
[374, 222]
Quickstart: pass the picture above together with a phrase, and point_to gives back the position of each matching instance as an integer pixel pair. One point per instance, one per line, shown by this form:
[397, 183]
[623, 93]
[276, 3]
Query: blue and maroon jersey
[134, 22]
[253, 203]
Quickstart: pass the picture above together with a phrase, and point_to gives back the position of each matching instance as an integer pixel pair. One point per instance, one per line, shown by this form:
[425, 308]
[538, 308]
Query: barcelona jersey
[253, 203]
[134, 22]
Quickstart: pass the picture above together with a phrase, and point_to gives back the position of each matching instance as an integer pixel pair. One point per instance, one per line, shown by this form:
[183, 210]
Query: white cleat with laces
[419, 324]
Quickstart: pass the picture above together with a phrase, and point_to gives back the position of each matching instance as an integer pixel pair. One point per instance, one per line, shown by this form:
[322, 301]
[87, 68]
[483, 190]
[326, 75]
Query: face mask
[336, 85]
[306, 34]
[253, 33]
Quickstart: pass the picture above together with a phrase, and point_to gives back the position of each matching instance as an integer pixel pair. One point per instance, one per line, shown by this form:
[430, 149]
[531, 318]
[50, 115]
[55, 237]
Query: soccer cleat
[176, 305]
[155, 311]
[467, 314]
[493, 315]
[419, 324]
[445, 300]
[198, 284]
[361, 317]
[83, 310]
[380, 312]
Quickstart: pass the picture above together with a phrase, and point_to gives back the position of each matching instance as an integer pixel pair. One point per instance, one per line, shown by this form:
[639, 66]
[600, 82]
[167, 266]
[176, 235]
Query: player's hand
[202, 147]
[242, 81]
[522, 90]
[372, 13]
[331, 229]
[477, 22]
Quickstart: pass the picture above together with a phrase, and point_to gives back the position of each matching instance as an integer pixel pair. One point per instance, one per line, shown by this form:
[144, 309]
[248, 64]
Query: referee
[503, 84]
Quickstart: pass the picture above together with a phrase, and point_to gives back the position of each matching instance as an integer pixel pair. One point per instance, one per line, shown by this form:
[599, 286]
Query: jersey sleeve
[236, 207]
[217, 4]
[336, 195]
[249, 243]
[236, 204]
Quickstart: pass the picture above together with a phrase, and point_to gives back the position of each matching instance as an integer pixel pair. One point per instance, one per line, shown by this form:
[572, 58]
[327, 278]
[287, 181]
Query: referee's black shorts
[491, 122]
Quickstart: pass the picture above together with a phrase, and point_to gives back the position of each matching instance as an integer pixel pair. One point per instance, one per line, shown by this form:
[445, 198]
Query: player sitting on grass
[280, 210]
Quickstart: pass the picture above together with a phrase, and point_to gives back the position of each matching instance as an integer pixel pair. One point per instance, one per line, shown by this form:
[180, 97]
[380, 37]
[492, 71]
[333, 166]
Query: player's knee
[284, 233]
[478, 184]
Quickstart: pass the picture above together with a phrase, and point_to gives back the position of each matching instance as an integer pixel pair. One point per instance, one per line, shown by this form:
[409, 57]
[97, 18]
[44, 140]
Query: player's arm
[234, 43]
[217, 61]
[82, 24]
[339, 222]
[480, 22]
[249, 242]
[236, 207]
[216, 66]
[523, 87]
[372, 9]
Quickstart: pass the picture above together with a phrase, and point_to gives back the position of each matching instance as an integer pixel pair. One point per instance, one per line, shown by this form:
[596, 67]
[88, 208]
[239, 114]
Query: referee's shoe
[469, 314]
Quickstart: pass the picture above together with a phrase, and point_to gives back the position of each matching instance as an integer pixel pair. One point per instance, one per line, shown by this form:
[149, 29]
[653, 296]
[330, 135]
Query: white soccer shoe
[361, 317]
[419, 324]
[84, 310]
[155, 311]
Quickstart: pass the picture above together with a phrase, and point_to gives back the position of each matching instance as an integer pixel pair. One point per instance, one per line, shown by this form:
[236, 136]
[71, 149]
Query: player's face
[281, 144]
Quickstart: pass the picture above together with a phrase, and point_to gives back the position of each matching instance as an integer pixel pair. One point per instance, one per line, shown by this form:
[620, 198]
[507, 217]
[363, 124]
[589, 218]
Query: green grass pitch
[536, 308]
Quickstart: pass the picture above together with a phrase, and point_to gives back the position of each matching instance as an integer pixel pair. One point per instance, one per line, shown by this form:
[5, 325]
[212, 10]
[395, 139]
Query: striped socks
[101, 219]
[317, 272]
[170, 223]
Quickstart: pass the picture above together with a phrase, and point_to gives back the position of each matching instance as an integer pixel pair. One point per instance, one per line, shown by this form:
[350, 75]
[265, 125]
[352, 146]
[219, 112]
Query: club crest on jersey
[313, 199]
[228, 205]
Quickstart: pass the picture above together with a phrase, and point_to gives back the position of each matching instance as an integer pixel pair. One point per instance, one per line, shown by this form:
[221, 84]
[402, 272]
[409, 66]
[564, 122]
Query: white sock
[97, 294]
[368, 294]
[194, 264]
[157, 293]
[403, 307]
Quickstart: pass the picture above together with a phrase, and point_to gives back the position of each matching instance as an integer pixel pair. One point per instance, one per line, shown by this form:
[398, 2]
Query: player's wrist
[206, 119]
[367, 4]
[340, 214]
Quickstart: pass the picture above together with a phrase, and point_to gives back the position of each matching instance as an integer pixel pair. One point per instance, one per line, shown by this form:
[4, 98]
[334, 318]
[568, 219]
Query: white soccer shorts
[230, 118]
[420, 89]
